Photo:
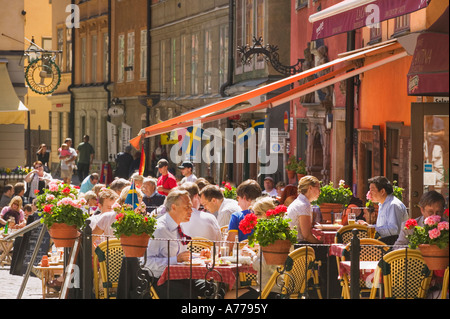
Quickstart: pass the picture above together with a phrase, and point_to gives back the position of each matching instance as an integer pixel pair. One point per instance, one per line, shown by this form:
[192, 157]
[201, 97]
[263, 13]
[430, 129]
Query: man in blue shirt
[247, 192]
[392, 212]
[89, 182]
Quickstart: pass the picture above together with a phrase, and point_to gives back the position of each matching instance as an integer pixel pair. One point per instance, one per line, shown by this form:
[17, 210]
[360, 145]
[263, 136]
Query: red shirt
[167, 181]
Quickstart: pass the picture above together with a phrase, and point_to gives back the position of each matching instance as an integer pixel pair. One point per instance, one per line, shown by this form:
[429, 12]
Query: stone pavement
[10, 286]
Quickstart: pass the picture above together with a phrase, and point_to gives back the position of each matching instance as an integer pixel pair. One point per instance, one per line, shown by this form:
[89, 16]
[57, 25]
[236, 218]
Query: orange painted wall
[384, 97]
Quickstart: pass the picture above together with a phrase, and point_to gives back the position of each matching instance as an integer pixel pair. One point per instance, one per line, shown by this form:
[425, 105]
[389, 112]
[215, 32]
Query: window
[94, 59]
[173, 66]
[194, 64]
[83, 60]
[223, 54]
[299, 4]
[250, 17]
[121, 58]
[208, 62]
[143, 56]
[401, 24]
[130, 56]
[60, 46]
[375, 33]
[69, 50]
[105, 57]
[183, 57]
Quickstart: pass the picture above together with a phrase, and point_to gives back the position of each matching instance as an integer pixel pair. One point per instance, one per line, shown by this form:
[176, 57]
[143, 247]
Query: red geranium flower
[36, 191]
[119, 216]
[279, 210]
[248, 223]
[228, 186]
[66, 190]
[48, 208]
[410, 224]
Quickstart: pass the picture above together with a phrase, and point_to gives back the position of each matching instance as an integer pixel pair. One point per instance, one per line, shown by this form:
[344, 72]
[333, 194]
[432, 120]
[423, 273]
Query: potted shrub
[272, 233]
[134, 229]
[332, 199]
[431, 239]
[229, 191]
[62, 213]
[301, 168]
[291, 166]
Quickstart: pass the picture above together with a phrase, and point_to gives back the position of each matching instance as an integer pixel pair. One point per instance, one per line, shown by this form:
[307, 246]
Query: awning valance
[346, 67]
[11, 108]
[354, 14]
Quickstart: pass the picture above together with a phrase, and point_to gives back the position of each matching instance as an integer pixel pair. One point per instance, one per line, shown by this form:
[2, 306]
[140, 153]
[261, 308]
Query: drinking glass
[351, 218]
[338, 218]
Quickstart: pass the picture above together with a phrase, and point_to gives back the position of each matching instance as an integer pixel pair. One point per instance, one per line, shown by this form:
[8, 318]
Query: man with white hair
[152, 198]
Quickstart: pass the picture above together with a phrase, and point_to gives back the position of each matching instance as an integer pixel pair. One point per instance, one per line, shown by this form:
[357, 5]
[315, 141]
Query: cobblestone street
[10, 286]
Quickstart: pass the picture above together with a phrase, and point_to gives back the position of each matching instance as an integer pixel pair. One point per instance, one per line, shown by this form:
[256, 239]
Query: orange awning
[209, 113]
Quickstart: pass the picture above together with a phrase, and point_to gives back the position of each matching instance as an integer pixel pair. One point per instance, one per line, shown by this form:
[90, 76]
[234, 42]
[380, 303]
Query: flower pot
[276, 253]
[63, 235]
[327, 208]
[134, 245]
[290, 174]
[435, 257]
[299, 176]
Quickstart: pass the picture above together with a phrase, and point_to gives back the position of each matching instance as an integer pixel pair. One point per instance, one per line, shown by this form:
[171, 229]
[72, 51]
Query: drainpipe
[230, 49]
[70, 87]
[108, 81]
[349, 116]
[149, 61]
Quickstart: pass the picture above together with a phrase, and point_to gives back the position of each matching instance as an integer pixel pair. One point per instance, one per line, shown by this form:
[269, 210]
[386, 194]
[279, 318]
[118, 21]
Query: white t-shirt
[105, 221]
[64, 165]
[300, 206]
[227, 208]
[272, 193]
[202, 224]
[191, 178]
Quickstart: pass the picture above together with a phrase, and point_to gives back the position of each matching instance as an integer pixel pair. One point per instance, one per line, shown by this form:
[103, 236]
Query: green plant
[301, 167]
[398, 191]
[268, 230]
[330, 194]
[59, 204]
[133, 222]
[292, 163]
[229, 191]
[434, 232]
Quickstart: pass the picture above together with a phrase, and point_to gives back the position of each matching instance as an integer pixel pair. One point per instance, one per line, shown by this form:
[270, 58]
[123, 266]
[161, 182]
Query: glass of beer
[371, 231]
[338, 218]
[351, 218]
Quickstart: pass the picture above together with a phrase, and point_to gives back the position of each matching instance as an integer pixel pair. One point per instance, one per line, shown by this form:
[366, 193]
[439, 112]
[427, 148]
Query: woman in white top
[300, 210]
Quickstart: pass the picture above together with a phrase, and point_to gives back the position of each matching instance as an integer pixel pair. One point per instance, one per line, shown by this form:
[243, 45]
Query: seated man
[88, 183]
[152, 198]
[201, 224]
[247, 192]
[431, 203]
[392, 212]
[214, 202]
[179, 209]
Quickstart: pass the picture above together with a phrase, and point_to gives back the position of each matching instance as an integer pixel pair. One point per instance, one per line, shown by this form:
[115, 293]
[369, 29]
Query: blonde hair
[305, 182]
[90, 195]
[16, 200]
[262, 205]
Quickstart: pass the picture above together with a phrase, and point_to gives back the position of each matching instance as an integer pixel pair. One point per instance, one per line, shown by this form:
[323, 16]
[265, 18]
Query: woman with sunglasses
[37, 179]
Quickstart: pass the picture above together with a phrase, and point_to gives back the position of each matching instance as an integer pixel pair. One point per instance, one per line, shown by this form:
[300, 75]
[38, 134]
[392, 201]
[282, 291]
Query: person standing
[391, 213]
[68, 158]
[43, 155]
[123, 163]
[186, 170]
[37, 180]
[269, 188]
[166, 181]
[85, 153]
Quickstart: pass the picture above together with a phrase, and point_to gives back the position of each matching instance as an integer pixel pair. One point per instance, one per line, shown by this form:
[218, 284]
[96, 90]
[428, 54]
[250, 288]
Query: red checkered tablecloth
[337, 249]
[226, 274]
[366, 270]
[326, 235]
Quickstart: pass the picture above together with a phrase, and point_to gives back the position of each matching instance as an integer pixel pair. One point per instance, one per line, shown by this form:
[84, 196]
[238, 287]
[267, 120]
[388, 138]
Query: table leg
[44, 283]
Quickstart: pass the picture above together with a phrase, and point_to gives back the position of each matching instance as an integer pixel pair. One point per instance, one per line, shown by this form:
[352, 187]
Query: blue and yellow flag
[132, 198]
[192, 142]
[255, 126]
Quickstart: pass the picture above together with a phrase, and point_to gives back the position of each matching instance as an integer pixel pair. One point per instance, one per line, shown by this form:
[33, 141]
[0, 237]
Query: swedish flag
[192, 141]
[254, 127]
[132, 198]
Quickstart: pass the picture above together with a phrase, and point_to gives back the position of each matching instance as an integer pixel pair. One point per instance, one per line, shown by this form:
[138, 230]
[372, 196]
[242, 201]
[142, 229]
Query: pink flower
[53, 187]
[443, 226]
[49, 197]
[432, 220]
[434, 233]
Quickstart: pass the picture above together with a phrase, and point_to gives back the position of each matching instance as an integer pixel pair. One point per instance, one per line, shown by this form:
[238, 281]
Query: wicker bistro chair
[371, 250]
[199, 243]
[405, 275]
[300, 265]
[108, 256]
[445, 284]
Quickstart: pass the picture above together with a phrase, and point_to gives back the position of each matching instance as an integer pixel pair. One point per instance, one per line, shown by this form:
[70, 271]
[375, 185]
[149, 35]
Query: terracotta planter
[327, 208]
[276, 253]
[290, 174]
[435, 257]
[63, 235]
[134, 245]
[299, 176]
